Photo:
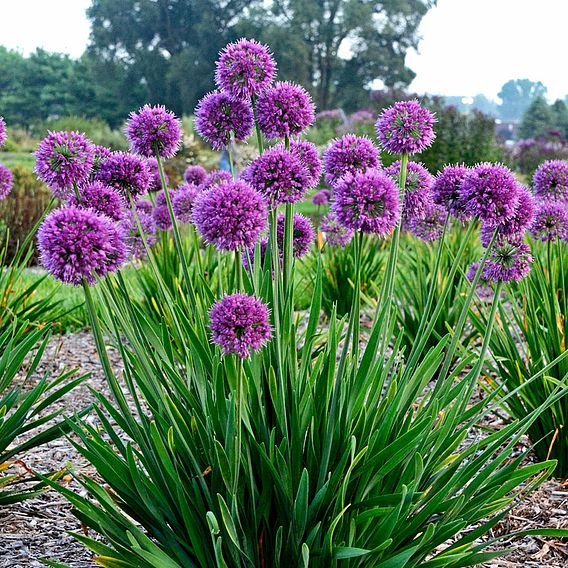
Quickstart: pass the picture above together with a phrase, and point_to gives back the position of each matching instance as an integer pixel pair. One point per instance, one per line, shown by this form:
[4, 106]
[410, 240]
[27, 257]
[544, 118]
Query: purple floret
[550, 181]
[347, 155]
[321, 197]
[309, 156]
[431, 226]
[303, 234]
[446, 190]
[144, 205]
[134, 240]
[550, 222]
[183, 200]
[336, 235]
[125, 172]
[195, 174]
[100, 198]
[6, 181]
[507, 262]
[162, 218]
[2, 131]
[214, 178]
[155, 181]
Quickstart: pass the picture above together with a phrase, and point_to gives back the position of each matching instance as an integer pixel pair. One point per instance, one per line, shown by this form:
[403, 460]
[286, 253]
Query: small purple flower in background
[303, 234]
[3, 134]
[278, 175]
[134, 241]
[77, 244]
[491, 192]
[446, 190]
[550, 222]
[507, 262]
[309, 156]
[230, 216]
[125, 172]
[431, 226]
[245, 68]
[160, 198]
[155, 183]
[6, 181]
[183, 200]
[154, 130]
[347, 155]
[285, 109]
[195, 174]
[336, 235]
[321, 197]
[367, 201]
[162, 218]
[219, 114]
[144, 205]
[214, 178]
[240, 324]
[406, 128]
[100, 198]
[484, 290]
[550, 181]
[64, 159]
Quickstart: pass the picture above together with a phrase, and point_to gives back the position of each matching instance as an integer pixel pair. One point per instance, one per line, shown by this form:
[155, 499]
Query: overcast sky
[468, 46]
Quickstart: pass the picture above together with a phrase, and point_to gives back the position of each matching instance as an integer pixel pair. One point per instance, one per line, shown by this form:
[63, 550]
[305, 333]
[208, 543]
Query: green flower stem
[231, 159]
[239, 272]
[356, 305]
[238, 430]
[220, 272]
[259, 142]
[77, 194]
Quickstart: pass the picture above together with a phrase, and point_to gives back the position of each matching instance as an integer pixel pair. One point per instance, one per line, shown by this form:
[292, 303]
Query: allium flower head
[550, 222]
[100, 198]
[240, 324]
[245, 68]
[100, 153]
[219, 115]
[125, 172]
[6, 181]
[155, 181]
[154, 130]
[491, 192]
[195, 174]
[144, 205]
[367, 201]
[336, 235]
[231, 215]
[484, 290]
[162, 218]
[278, 175]
[134, 240]
[285, 109]
[406, 128]
[183, 200]
[62, 159]
[349, 154]
[507, 262]
[446, 190]
[77, 244]
[2, 131]
[214, 178]
[431, 226]
[550, 181]
[303, 234]
[160, 198]
[309, 156]
[321, 197]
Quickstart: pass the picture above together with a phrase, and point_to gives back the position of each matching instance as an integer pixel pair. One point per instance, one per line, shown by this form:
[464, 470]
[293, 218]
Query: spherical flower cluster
[406, 128]
[160, 198]
[550, 222]
[162, 218]
[6, 181]
[154, 130]
[144, 205]
[507, 262]
[321, 197]
[336, 235]
[100, 198]
[491, 192]
[64, 159]
[446, 190]
[303, 234]
[131, 224]
[195, 174]
[125, 172]
[183, 200]
[550, 180]
[349, 154]
[367, 201]
[285, 109]
[155, 181]
[245, 68]
[309, 156]
[219, 115]
[431, 226]
[279, 175]
[100, 153]
[77, 244]
[230, 216]
[215, 177]
[2, 131]
[240, 324]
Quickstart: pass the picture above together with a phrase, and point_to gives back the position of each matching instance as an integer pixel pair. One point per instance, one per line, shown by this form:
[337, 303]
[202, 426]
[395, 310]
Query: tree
[537, 121]
[517, 95]
[560, 117]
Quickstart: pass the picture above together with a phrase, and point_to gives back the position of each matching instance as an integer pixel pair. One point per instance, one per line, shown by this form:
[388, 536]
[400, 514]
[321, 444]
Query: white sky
[468, 46]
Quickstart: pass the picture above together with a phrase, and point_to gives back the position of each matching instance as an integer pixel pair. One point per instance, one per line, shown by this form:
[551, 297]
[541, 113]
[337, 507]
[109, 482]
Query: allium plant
[100, 198]
[183, 200]
[550, 181]
[126, 172]
[155, 181]
[195, 174]
[349, 154]
[6, 181]
[3, 134]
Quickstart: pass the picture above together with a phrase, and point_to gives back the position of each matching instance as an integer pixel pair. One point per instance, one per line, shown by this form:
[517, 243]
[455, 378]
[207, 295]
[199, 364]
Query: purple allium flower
[285, 109]
[240, 324]
[183, 201]
[484, 290]
[214, 178]
[321, 197]
[431, 226]
[349, 154]
[100, 198]
[154, 130]
[195, 174]
[406, 128]
[279, 175]
[367, 201]
[231, 215]
[491, 192]
[336, 235]
[78, 243]
[309, 156]
[303, 234]
[62, 159]
[446, 190]
[144, 205]
[417, 194]
[155, 183]
[100, 153]
[6, 181]
[160, 198]
[550, 221]
[550, 181]
[245, 68]
[218, 115]
[2, 131]
[134, 241]
[508, 261]
[125, 172]
[162, 218]
[515, 227]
